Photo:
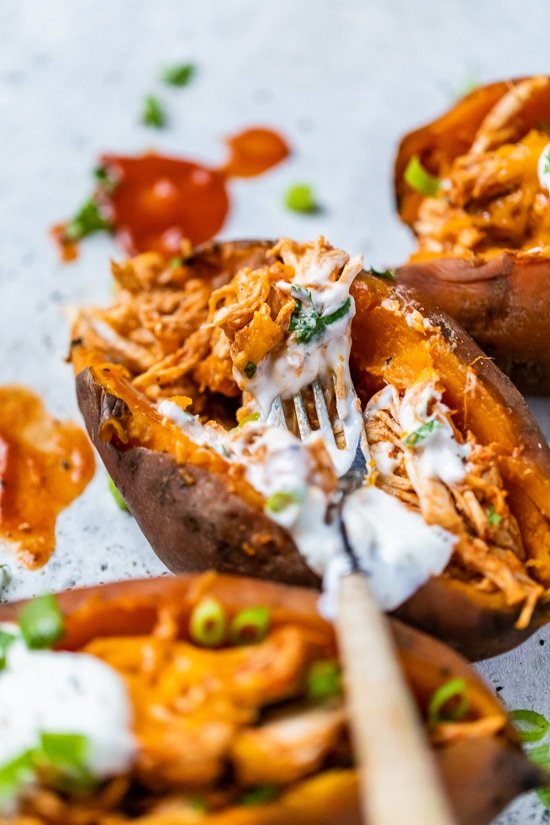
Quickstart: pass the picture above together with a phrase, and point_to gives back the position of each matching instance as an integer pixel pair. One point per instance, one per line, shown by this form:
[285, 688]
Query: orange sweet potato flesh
[481, 775]
[198, 512]
[501, 296]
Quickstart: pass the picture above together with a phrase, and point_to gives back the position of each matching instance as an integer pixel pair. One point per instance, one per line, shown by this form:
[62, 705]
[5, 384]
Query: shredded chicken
[491, 198]
[489, 548]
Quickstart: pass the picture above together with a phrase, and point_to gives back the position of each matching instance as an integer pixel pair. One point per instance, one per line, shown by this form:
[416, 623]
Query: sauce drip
[156, 202]
[44, 465]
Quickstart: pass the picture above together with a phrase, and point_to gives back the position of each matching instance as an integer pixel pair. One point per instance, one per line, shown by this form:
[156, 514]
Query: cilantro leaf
[88, 219]
[387, 274]
[421, 434]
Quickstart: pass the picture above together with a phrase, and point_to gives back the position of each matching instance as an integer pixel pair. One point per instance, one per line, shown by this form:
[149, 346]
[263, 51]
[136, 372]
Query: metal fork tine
[322, 412]
[276, 416]
[301, 416]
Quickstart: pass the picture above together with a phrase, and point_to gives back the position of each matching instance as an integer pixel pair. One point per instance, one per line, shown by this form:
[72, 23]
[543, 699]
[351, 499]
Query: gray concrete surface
[342, 80]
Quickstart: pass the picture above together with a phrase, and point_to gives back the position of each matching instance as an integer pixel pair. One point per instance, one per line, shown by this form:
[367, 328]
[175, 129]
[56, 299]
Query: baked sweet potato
[200, 510]
[483, 238]
[230, 733]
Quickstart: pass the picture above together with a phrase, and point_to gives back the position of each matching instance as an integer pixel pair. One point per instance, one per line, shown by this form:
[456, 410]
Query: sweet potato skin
[191, 517]
[503, 302]
[481, 776]
[196, 521]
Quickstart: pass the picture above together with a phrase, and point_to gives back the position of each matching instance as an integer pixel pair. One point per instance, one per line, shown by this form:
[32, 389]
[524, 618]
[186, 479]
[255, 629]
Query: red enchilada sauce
[44, 465]
[154, 202]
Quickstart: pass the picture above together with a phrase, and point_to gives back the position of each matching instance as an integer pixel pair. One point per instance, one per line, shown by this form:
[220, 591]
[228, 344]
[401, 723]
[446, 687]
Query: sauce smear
[154, 202]
[44, 465]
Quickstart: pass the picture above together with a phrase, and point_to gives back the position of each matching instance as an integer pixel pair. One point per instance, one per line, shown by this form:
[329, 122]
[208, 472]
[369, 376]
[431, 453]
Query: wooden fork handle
[399, 779]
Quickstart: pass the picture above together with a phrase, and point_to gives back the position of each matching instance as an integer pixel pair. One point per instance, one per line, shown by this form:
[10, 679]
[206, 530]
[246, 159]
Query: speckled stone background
[342, 80]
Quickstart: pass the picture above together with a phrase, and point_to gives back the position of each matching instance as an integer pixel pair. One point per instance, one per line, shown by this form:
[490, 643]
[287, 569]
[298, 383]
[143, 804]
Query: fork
[399, 780]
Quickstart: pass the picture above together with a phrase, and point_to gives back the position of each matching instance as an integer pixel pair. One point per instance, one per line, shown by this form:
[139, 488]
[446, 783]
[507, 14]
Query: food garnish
[250, 626]
[180, 74]
[449, 703]
[153, 113]
[117, 495]
[300, 198]
[41, 622]
[208, 623]
[420, 179]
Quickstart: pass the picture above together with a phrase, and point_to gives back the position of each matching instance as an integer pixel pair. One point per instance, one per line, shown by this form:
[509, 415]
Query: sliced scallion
[14, 775]
[208, 623]
[250, 369]
[386, 274]
[449, 703]
[300, 198]
[117, 495]
[248, 419]
[420, 179]
[532, 726]
[41, 622]
[324, 680]
[250, 626]
[279, 501]
[6, 639]
[493, 517]
[180, 74]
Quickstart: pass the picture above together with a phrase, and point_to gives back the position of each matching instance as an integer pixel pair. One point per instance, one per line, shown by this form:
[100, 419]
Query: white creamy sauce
[438, 452]
[292, 368]
[544, 167]
[44, 691]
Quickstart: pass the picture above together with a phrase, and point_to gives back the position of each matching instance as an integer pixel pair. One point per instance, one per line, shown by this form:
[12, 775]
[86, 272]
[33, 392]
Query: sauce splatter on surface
[154, 202]
[44, 465]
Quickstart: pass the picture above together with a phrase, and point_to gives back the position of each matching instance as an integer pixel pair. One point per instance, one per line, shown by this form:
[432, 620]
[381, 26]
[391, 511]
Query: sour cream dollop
[45, 691]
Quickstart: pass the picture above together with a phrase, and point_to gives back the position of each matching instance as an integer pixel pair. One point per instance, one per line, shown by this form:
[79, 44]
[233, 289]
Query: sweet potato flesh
[160, 330]
[485, 152]
[231, 733]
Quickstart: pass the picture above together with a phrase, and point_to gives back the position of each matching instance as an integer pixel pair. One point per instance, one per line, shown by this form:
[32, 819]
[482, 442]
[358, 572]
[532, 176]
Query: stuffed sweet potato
[452, 523]
[211, 699]
[483, 227]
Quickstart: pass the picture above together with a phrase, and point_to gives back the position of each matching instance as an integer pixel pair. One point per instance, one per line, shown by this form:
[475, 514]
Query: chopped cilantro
[153, 113]
[421, 434]
[175, 262]
[250, 369]
[493, 517]
[387, 274]
[300, 198]
[87, 220]
[306, 322]
[180, 74]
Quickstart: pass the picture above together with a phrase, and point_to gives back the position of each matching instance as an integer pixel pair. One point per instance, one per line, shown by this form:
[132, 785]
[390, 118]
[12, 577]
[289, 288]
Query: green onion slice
[277, 502]
[449, 703]
[324, 680]
[153, 113]
[250, 626]
[540, 756]
[117, 495]
[6, 639]
[300, 198]
[420, 179]
[41, 622]
[14, 775]
[180, 74]
[248, 419]
[493, 517]
[250, 369]
[208, 623]
[532, 726]
[260, 795]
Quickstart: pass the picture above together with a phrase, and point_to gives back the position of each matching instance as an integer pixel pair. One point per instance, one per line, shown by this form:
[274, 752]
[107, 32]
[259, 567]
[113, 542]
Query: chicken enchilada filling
[217, 356]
